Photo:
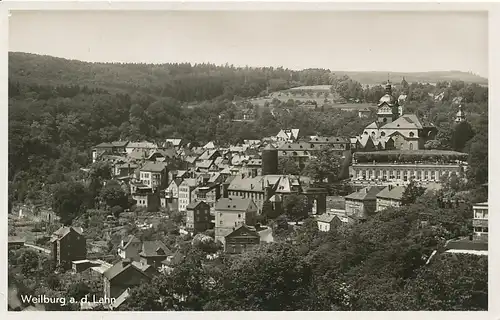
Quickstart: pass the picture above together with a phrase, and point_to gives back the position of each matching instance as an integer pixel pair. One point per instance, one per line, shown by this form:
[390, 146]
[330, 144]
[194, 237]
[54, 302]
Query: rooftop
[233, 204]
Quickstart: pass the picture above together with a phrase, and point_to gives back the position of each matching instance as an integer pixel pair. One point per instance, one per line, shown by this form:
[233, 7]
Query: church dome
[389, 99]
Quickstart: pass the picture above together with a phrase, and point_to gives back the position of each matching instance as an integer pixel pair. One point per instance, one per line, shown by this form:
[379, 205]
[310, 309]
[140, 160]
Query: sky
[339, 41]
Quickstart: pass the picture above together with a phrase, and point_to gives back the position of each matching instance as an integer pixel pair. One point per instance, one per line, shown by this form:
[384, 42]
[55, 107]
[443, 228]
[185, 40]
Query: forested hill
[377, 77]
[186, 82]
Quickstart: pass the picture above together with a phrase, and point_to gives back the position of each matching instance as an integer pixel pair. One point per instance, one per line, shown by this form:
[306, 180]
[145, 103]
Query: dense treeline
[381, 264]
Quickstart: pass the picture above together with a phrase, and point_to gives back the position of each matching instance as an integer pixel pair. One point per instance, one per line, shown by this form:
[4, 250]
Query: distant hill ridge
[53, 70]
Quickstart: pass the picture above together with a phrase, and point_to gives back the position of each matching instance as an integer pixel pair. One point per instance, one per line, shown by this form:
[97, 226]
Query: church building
[394, 129]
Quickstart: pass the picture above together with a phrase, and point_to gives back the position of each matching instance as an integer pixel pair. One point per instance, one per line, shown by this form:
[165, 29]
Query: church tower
[460, 117]
[388, 106]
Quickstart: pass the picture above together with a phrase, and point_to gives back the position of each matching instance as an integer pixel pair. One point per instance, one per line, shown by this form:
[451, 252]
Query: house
[208, 193]
[328, 221]
[185, 189]
[129, 248]
[141, 147]
[153, 253]
[176, 143]
[210, 154]
[240, 240]
[339, 144]
[288, 135]
[232, 212]
[362, 203]
[390, 196]
[146, 199]
[198, 217]
[154, 175]
[364, 113]
[171, 193]
[172, 261]
[68, 244]
[466, 246]
[209, 145]
[262, 188]
[123, 275]
[206, 166]
[480, 221]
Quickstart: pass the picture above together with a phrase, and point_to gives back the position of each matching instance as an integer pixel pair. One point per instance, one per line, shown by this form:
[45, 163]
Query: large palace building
[400, 166]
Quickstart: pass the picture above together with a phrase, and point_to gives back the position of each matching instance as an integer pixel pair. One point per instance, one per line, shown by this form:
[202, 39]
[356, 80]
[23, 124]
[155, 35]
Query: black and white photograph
[258, 160]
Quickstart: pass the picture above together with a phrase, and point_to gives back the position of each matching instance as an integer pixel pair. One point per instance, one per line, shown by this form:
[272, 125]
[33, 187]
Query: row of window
[251, 195]
[480, 214]
[400, 174]
[481, 229]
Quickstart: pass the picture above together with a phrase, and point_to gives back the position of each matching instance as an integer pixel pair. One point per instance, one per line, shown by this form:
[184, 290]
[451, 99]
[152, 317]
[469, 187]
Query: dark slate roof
[63, 231]
[130, 239]
[194, 204]
[153, 166]
[120, 267]
[154, 249]
[104, 145]
[233, 203]
[365, 194]
[394, 193]
[119, 144]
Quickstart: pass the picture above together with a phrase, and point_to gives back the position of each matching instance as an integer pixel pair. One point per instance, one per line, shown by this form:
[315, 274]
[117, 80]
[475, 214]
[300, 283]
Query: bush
[116, 210]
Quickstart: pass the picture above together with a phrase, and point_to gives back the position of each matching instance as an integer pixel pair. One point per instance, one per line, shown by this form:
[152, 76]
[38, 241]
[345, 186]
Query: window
[382, 133]
[385, 120]
[411, 146]
[412, 134]
[239, 215]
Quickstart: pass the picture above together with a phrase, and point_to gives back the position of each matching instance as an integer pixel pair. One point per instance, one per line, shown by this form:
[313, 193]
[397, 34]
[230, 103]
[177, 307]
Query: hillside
[205, 81]
[378, 77]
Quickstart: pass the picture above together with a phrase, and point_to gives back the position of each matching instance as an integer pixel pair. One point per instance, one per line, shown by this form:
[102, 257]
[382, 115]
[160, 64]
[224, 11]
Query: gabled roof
[104, 145]
[153, 166]
[243, 232]
[120, 267]
[326, 217]
[142, 145]
[393, 193]
[209, 145]
[406, 121]
[373, 125]
[130, 239]
[208, 154]
[63, 231]
[319, 139]
[204, 164]
[119, 144]
[233, 204]
[369, 193]
[154, 249]
[194, 204]
[190, 182]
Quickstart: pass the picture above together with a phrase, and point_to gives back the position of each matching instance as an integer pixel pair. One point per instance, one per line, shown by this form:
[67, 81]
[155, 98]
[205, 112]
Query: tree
[287, 165]
[462, 133]
[325, 165]
[477, 149]
[411, 193]
[459, 283]
[268, 210]
[29, 262]
[112, 195]
[296, 206]
[68, 200]
[284, 282]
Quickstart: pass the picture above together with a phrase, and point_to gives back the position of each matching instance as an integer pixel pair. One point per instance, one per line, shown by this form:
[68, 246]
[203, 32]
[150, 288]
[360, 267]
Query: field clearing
[320, 88]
